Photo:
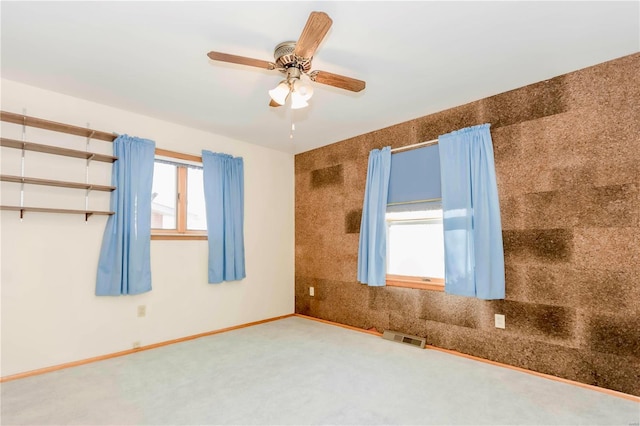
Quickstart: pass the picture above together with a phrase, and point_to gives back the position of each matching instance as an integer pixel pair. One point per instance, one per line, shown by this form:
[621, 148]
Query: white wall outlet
[136, 344]
[311, 291]
[500, 322]
[142, 310]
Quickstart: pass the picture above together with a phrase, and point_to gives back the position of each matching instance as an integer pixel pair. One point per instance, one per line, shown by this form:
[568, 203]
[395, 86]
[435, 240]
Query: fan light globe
[298, 101]
[303, 88]
[280, 93]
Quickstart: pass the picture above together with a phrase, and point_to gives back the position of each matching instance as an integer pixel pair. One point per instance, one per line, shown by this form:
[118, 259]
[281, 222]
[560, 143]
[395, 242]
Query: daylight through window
[415, 245]
[177, 200]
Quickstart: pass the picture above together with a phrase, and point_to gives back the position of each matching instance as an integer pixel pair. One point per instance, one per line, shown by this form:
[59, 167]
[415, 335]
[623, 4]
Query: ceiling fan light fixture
[280, 93]
[298, 101]
[303, 88]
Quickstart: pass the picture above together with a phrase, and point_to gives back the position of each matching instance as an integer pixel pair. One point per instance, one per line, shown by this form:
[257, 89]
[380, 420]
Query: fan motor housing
[285, 57]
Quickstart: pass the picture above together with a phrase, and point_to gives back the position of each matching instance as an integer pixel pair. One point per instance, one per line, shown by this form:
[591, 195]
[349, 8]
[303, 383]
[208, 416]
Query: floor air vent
[404, 338]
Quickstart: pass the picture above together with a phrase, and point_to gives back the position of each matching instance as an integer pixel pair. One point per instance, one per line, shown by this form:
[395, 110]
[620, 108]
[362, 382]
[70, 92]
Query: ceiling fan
[294, 60]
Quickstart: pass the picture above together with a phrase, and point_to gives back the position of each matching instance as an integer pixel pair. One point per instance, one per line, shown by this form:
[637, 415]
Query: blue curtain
[372, 251]
[474, 258]
[224, 198]
[124, 266]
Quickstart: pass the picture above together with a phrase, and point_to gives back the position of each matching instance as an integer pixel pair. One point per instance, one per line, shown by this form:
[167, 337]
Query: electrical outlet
[311, 291]
[142, 310]
[500, 321]
[136, 344]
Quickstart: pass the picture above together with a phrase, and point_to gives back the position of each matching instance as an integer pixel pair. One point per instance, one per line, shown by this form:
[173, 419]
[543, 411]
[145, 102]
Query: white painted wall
[50, 314]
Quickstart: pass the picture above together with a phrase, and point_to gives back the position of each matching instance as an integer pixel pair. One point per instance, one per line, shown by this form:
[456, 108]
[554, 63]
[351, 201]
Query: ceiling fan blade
[340, 81]
[274, 104]
[242, 60]
[317, 27]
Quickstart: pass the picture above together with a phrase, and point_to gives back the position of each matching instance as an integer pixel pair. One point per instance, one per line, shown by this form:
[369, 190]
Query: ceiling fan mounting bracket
[285, 58]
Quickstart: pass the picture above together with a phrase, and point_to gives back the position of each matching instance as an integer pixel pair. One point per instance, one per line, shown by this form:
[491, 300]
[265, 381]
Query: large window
[415, 237]
[177, 203]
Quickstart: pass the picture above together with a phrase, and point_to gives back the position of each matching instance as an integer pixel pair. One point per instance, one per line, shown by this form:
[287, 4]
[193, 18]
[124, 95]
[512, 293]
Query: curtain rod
[25, 120]
[416, 145]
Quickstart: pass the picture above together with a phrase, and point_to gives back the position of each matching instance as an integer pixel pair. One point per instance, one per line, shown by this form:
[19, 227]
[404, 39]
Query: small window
[415, 248]
[177, 201]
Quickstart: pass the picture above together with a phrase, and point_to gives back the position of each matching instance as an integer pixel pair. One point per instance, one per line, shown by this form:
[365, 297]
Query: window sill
[435, 284]
[178, 237]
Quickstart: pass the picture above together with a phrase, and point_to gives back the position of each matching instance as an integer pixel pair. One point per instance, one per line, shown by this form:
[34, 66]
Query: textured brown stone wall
[567, 154]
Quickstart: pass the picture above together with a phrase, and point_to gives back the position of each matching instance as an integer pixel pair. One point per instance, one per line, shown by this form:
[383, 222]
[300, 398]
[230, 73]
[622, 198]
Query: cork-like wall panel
[567, 154]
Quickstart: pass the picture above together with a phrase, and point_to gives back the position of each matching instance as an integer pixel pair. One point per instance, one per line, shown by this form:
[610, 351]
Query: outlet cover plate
[500, 321]
[312, 291]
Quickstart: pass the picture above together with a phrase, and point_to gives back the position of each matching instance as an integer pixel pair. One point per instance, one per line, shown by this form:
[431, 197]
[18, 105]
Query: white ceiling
[416, 57]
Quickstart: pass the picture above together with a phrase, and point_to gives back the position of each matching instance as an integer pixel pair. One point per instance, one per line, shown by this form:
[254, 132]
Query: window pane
[196, 213]
[415, 244]
[164, 196]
